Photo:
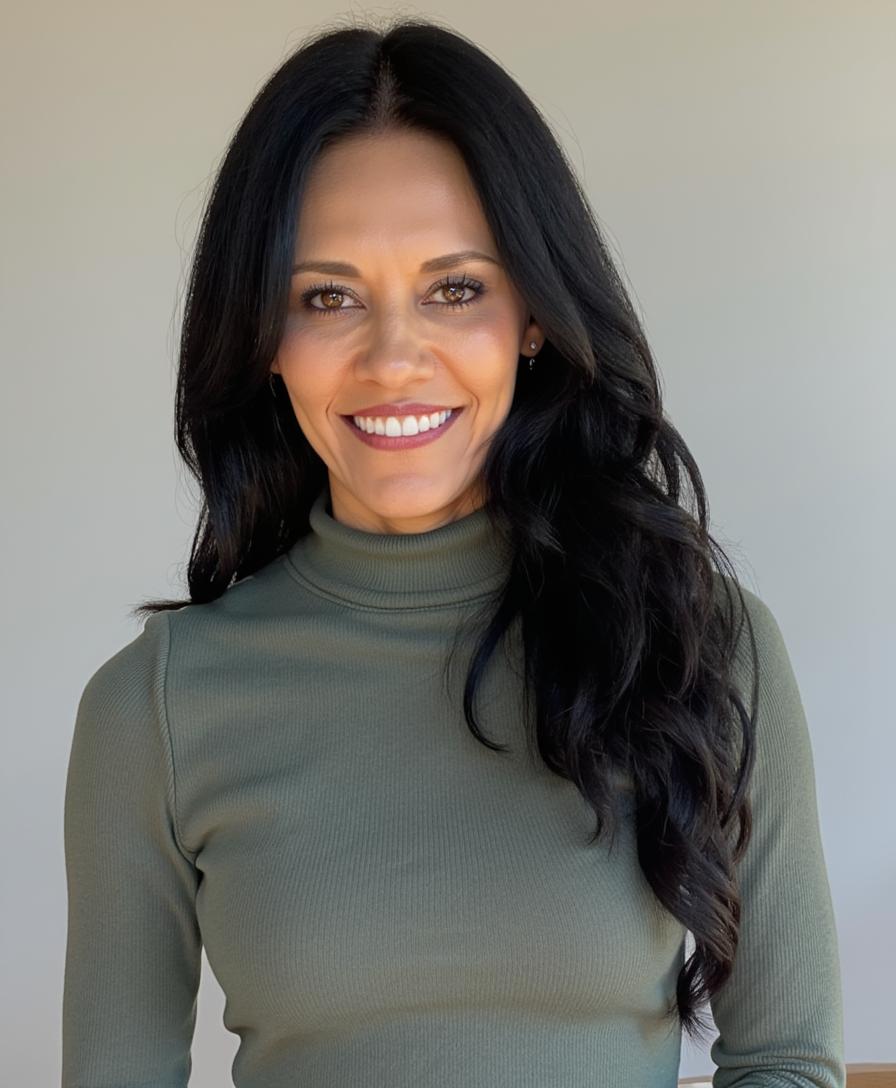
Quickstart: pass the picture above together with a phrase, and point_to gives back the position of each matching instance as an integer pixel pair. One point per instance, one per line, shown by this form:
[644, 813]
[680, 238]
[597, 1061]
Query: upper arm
[779, 1015]
[133, 951]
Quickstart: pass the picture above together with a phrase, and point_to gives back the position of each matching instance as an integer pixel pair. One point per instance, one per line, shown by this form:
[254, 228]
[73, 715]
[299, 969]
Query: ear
[533, 331]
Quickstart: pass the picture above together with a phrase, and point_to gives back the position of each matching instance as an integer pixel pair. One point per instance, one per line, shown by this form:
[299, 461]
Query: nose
[396, 354]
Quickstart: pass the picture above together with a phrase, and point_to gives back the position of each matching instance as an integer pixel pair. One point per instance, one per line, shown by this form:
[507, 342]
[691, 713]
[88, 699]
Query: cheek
[493, 333]
[310, 371]
[487, 358]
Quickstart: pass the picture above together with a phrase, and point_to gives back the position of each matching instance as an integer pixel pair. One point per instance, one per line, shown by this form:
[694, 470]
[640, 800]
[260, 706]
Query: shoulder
[130, 672]
[725, 587]
[755, 622]
[767, 684]
[120, 729]
[124, 694]
[176, 636]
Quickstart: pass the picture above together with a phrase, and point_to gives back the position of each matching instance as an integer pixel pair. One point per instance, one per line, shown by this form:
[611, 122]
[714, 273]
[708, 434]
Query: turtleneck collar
[457, 562]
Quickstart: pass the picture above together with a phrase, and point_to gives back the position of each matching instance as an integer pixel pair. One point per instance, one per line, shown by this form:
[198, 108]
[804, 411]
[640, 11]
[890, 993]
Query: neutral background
[742, 161]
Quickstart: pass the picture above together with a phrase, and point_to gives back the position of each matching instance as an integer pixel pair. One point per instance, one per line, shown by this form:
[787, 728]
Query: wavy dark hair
[629, 646]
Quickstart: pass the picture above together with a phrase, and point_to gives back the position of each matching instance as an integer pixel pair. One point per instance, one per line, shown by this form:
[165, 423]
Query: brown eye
[332, 296]
[454, 292]
[329, 297]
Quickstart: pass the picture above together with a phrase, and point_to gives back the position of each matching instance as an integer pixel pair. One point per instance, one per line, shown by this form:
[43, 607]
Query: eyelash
[448, 281]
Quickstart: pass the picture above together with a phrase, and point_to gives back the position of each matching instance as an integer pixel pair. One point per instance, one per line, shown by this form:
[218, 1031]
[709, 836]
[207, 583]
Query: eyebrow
[437, 264]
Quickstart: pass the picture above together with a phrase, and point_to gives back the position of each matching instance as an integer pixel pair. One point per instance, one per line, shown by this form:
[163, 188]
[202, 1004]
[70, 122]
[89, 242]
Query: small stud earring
[533, 346]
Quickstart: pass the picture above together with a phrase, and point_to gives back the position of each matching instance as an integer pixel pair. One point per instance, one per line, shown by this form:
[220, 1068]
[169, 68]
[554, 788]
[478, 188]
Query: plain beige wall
[741, 159]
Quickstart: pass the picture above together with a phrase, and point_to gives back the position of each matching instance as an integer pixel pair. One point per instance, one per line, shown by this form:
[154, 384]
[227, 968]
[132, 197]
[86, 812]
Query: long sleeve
[133, 952]
[779, 1015]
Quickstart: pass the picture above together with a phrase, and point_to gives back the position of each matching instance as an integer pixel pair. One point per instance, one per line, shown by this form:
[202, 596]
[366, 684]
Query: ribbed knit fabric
[282, 776]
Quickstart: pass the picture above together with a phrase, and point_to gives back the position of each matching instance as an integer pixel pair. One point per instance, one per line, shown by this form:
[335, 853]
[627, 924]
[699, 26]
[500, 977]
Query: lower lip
[405, 442]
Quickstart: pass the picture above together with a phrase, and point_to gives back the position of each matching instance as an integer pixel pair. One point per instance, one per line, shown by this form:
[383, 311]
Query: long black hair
[629, 643]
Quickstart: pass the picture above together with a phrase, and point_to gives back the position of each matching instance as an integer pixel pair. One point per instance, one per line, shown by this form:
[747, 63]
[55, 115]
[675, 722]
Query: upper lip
[409, 408]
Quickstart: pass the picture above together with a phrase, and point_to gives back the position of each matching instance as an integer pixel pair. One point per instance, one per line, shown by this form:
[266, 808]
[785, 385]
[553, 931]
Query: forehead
[406, 187]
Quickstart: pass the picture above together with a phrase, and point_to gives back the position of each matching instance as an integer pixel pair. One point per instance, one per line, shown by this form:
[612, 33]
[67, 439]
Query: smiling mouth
[388, 439]
[393, 427]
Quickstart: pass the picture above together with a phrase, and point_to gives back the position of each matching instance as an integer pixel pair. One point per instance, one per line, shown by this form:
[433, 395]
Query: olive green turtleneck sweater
[281, 776]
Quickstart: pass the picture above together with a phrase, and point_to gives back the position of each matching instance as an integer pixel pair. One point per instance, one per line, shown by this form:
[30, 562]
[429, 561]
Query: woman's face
[391, 331]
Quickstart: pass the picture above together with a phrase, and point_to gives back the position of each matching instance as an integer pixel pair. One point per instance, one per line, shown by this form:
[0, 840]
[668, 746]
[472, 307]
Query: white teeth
[392, 427]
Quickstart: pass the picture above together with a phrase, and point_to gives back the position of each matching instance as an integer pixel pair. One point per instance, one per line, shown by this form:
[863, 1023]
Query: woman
[425, 419]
